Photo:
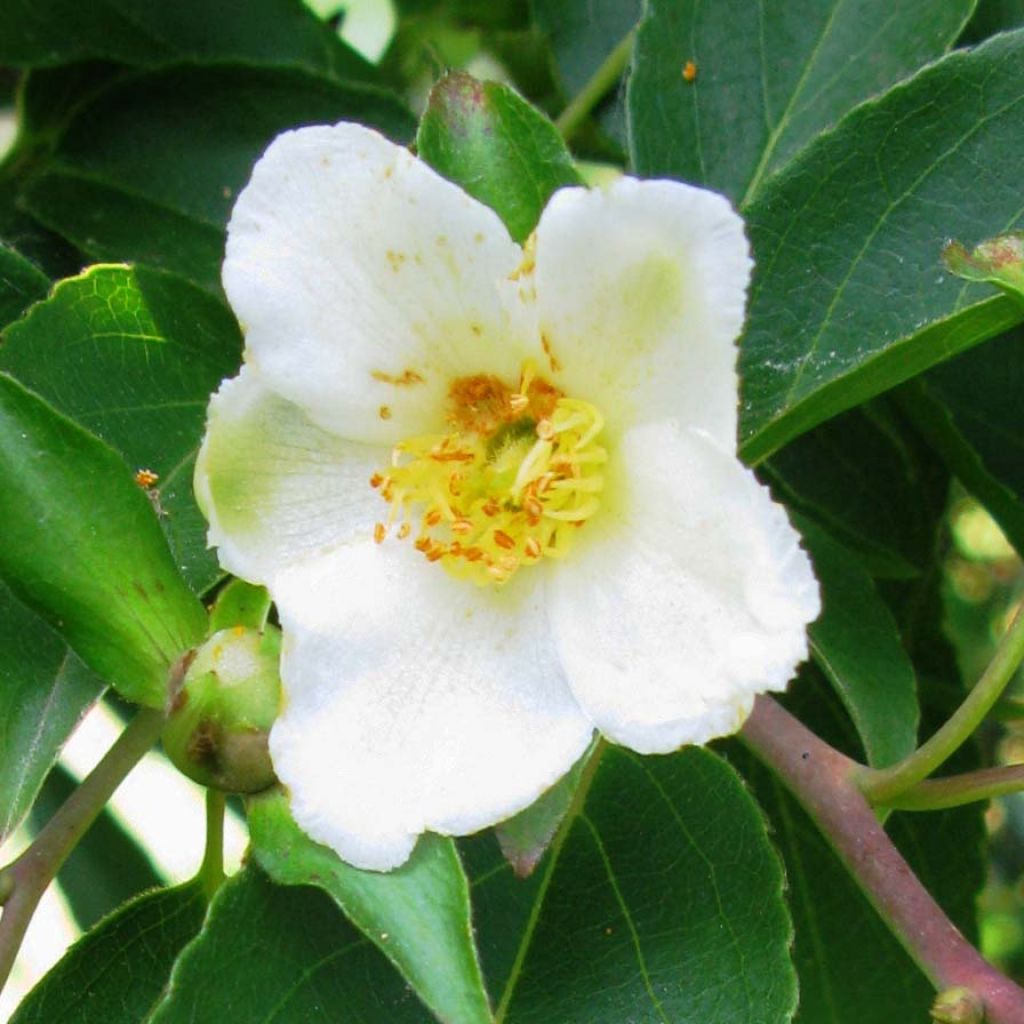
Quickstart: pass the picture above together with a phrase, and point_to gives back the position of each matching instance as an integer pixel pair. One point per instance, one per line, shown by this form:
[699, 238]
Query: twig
[569, 121]
[25, 880]
[824, 782]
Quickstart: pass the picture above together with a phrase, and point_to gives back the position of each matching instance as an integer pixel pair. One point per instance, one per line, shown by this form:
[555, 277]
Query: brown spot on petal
[405, 379]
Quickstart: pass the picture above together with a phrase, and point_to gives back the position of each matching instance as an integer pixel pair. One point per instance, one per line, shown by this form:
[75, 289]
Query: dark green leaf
[115, 973]
[970, 410]
[497, 147]
[661, 901]
[857, 476]
[771, 77]
[112, 224]
[44, 692]
[851, 968]
[132, 355]
[849, 297]
[583, 34]
[418, 915]
[284, 954]
[157, 159]
[50, 32]
[992, 16]
[856, 643]
[21, 284]
[106, 868]
[82, 546]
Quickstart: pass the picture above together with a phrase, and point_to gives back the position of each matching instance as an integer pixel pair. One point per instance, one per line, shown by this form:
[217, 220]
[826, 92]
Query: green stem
[937, 794]
[824, 782]
[884, 785]
[211, 871]
[569, 121]
[26, 879]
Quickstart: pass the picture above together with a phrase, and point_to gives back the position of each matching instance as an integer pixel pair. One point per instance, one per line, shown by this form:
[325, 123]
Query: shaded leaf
[969, 409]
[161, 156]
[856, 643]
[992, 16]
[849, 297]
[21, 284]
[133, 355]
[106, 868]
[82, 546]
[496, 146]
[273, 953]
[418, 915]
[771, 78]
[51, 32]
[661, 901]
[44, 693]
[858, 476]
[115, 973]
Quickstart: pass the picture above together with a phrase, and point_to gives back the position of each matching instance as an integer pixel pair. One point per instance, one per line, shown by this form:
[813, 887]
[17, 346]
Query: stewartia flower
[493, 491]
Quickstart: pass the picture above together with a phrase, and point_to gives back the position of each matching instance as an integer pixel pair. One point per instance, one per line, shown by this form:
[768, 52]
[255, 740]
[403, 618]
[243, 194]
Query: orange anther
[503, 540]
[379, 533]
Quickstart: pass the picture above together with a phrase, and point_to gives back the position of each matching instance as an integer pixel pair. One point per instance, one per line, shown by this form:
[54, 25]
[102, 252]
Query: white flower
[494, 493]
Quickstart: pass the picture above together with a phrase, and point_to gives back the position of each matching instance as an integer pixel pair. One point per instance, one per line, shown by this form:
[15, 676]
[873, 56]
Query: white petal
[686, 598]
[365, 282]
[414, 701]
[275, 487]
[640, 294]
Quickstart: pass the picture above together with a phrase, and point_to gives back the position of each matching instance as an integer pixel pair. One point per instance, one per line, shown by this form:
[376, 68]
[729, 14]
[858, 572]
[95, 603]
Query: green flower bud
[221, 716]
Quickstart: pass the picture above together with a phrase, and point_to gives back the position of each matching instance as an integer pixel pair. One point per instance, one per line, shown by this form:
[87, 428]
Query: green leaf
[771, 77]
[139, 32]
[969, 409]
[856, 643]
[115, 973]
[998, 261]
[132, 355]
[106, 868]
[857, 475]
[44, 693]
[273, 954]
[851, 968]
[496, 146]
[159, 157]
[82, 546]
[418, 915]
[660, 901]
[849, 297]
[21, 284]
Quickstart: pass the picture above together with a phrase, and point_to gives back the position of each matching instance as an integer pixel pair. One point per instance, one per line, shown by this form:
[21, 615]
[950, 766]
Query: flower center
[518, 475]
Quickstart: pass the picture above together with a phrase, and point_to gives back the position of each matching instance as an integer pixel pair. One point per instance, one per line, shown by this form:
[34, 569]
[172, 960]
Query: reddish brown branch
[822, 780]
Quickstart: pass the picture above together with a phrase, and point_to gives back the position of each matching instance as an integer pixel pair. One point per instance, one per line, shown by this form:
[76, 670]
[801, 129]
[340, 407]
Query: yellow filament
[485, 505]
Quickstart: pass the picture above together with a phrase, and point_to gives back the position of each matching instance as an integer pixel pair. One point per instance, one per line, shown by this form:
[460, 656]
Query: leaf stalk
[885, 785]
[583, 103]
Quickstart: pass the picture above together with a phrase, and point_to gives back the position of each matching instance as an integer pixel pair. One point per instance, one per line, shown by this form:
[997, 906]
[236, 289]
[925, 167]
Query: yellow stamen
[519, 472]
